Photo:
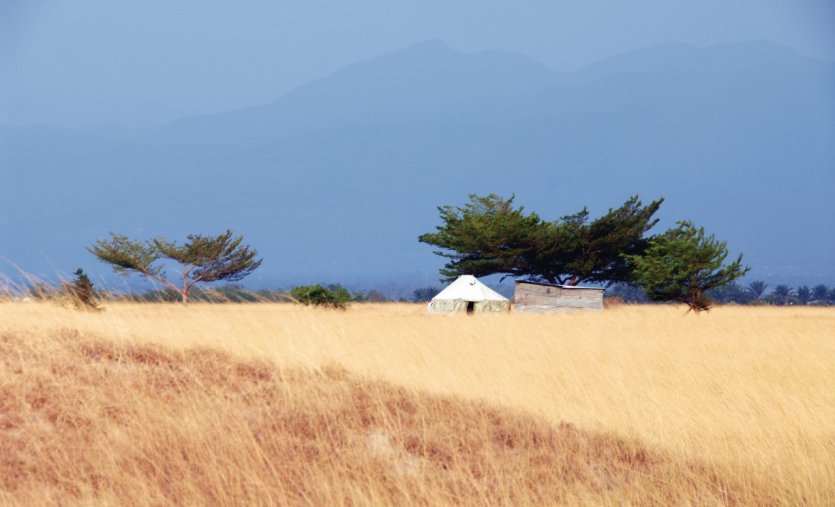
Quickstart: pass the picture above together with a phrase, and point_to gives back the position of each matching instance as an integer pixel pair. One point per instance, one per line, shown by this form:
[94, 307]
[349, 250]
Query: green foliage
[333, 296]
[596, 251]
[203, 258]
[81, 292]
[489, 236]
[126, 255]
[211, 258]
[682, 264]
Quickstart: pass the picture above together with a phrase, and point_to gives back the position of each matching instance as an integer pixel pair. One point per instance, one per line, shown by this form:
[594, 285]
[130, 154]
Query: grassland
[276, 404]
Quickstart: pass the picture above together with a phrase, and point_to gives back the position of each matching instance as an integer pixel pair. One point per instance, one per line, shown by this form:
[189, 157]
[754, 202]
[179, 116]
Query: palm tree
[819, 293]
[804, 294]
[757, 289]
[781, 294]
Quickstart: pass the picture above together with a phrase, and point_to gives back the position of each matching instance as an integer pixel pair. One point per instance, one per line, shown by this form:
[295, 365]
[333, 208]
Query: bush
[80, 291]
[333, 296]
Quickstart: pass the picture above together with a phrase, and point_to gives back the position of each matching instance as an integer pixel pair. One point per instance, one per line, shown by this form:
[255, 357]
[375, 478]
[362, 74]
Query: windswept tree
[489, 235]
[682, 264]
[601, 246]
[203, 259]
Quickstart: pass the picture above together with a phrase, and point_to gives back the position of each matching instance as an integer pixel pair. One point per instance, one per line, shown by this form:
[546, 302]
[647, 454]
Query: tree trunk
[186, 288]
[695, 301]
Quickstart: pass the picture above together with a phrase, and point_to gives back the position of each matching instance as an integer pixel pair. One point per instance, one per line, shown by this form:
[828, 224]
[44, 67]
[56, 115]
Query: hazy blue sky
[82, 62]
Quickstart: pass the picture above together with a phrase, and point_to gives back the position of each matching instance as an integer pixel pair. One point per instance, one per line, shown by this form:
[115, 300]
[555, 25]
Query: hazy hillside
[335, 180]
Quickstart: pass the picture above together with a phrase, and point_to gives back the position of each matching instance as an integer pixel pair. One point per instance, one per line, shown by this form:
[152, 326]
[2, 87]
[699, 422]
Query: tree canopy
[488, 235]
[332, 296]
[683, 263]
[203, 258]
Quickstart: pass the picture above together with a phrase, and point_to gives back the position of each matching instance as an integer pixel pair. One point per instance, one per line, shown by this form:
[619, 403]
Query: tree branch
[160, 279]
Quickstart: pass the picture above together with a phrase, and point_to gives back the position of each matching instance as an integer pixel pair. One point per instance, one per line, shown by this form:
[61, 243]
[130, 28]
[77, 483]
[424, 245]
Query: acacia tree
[683, 263]
[488, 235]
[491, 236]
[583, 250]
[203, 258]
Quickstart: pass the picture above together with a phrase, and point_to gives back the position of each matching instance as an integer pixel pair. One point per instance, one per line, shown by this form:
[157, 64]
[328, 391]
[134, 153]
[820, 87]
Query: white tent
[467, 294]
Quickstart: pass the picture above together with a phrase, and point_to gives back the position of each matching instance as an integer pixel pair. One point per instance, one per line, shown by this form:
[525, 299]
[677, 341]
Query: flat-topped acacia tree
[489, 235]
[203, 258]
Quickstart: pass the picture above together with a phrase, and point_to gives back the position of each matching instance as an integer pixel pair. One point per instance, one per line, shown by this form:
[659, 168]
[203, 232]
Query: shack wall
[531, 297]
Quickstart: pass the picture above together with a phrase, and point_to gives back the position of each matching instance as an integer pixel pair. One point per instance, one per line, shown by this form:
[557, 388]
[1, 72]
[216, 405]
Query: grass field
[277, 404]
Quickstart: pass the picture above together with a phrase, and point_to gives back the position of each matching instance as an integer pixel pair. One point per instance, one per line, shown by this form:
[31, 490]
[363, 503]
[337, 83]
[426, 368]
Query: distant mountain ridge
[335, 180]
[426, 74]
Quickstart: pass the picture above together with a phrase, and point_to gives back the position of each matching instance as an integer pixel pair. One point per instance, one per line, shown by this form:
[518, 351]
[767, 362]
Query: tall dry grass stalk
[746, 395]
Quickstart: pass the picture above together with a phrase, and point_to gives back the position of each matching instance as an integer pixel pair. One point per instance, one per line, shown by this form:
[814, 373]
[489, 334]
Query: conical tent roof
[468, 288]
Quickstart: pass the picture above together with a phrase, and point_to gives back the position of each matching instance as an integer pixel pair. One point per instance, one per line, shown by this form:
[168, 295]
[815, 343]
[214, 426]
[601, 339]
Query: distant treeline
[231, 293]
[754, 293]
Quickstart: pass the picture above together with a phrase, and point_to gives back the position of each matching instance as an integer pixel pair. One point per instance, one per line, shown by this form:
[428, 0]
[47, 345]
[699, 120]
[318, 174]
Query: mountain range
[335, 180]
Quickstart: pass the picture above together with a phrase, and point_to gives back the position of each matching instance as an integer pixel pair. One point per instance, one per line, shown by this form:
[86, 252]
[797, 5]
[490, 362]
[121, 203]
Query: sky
[86, 62]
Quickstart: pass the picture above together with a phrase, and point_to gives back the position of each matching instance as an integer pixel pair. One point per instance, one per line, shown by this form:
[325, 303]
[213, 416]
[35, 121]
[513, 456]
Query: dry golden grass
[248, 404]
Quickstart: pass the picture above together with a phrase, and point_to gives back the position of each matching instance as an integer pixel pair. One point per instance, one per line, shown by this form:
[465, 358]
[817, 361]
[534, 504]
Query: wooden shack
[534, 297]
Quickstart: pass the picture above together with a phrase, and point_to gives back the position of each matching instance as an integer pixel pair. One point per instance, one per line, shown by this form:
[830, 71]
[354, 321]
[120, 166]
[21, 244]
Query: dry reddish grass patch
[89, 421]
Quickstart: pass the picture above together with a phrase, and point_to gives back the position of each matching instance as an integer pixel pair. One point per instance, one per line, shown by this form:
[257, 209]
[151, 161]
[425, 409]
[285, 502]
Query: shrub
[333, 296]
[81, 292]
